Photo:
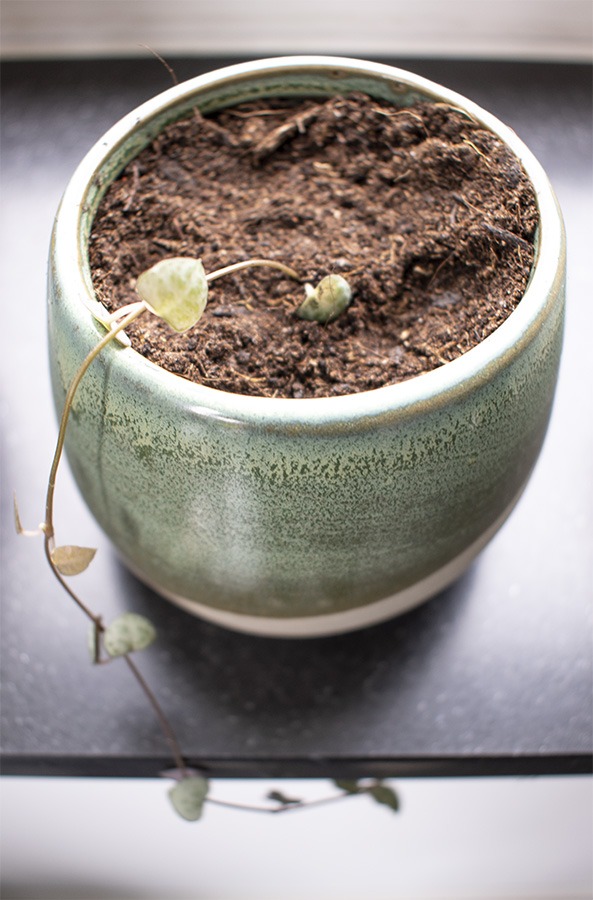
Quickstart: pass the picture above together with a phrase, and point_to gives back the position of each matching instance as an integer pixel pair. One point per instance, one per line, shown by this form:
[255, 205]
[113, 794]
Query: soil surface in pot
[427, 214]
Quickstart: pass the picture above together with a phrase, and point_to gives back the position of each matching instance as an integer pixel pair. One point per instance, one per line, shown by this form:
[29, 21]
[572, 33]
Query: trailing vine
[175, 290]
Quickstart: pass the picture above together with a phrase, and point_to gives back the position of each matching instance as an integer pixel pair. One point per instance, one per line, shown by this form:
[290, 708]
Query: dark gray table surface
[491, 677]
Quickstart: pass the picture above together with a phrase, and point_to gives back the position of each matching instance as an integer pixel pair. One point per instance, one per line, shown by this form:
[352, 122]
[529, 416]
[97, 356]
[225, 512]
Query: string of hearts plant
[176, 290]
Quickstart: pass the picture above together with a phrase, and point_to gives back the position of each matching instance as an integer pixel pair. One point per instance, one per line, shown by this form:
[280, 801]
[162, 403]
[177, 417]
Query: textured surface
[492, 676]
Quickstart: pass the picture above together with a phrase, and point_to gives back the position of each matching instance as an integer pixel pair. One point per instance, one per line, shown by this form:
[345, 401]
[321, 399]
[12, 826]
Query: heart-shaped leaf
[188, 797]
[325, 302]
[385, 796]
[127, 633]
[176, 290]
[71, 560]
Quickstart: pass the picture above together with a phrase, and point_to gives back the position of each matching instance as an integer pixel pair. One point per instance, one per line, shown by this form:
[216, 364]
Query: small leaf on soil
[325, 302]
[127, 633]
[176, 290]
[188, 797]
[385, 796]
[71, 560]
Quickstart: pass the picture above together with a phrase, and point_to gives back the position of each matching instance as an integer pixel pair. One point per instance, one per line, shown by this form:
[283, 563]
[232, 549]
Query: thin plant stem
[136, 310]
[248, 263]
[85, 609]
[166, 726]
[125, 310]
[287, 807]
[158, 56]
[49, 503]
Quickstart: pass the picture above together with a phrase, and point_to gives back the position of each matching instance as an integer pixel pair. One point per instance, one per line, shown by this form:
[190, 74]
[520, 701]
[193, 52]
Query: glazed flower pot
[295, 517]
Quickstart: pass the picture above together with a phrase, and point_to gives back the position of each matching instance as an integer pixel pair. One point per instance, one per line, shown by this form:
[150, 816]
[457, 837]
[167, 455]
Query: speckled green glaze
[295, 517]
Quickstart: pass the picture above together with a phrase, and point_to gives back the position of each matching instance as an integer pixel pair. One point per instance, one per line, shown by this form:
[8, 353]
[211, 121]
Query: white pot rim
[451, 381]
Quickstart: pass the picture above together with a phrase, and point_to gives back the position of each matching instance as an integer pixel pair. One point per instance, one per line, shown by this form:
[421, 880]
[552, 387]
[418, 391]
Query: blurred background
[472, 838]
[507, 29]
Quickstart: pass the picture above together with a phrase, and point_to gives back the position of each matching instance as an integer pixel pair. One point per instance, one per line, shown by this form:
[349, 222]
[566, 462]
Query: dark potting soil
[427, 215]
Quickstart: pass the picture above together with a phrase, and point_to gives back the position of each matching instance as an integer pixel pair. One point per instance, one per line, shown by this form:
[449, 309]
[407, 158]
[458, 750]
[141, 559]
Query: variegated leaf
[176, 290]
[188, 796]
[127, 633]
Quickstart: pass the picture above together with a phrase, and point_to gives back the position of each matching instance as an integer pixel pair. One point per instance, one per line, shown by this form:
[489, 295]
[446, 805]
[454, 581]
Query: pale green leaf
[188, 797]
[325, 302]
[127, 633]
[71, 560]
[176, 290]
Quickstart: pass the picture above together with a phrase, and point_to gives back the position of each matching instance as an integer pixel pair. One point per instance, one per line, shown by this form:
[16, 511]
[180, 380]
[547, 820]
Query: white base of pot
[347, 620]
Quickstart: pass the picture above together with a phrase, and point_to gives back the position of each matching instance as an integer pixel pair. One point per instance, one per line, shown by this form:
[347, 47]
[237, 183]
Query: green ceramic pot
[300, 517]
